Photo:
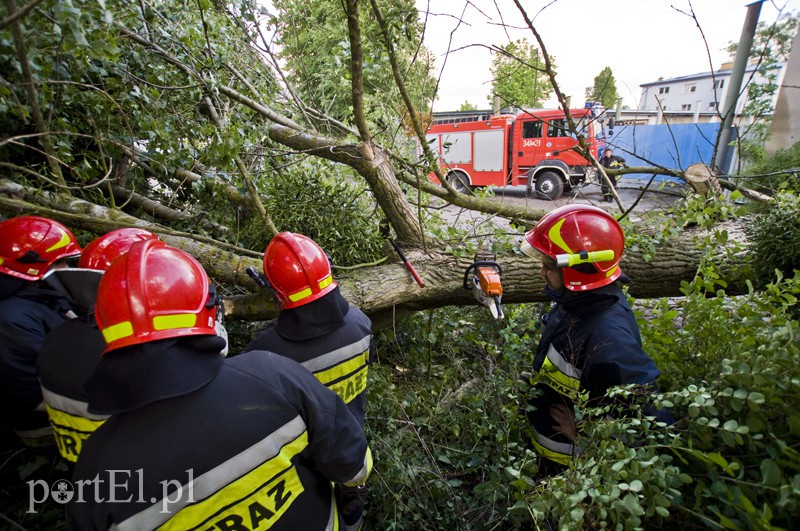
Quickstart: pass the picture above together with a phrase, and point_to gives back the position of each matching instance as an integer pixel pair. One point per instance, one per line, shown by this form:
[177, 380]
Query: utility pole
[735, 84]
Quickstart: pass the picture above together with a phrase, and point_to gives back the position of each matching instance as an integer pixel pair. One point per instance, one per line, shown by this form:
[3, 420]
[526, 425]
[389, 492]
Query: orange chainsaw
[485, 282]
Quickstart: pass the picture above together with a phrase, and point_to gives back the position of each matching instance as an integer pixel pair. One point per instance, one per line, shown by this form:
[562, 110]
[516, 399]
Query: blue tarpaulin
[671, 146]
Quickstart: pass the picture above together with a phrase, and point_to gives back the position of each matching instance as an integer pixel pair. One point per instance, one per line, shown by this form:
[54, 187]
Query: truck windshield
[558, 127]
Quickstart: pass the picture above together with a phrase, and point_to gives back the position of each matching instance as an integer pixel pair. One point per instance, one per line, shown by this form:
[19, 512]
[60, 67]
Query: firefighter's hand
[525, 381]
[564, 418]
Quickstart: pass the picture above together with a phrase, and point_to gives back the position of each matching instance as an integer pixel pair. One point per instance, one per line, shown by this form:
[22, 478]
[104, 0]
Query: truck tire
[459, 181]
[549, 185]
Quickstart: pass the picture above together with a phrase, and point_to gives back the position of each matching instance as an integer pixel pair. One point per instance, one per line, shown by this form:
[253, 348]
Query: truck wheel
[460, 182]
[549, 185]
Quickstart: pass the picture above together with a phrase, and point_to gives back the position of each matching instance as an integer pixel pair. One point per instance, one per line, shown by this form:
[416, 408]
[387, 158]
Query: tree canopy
[518, 76]
[604, 89]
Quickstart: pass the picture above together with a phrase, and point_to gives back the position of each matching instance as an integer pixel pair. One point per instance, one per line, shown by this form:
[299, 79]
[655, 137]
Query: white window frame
[689, 88]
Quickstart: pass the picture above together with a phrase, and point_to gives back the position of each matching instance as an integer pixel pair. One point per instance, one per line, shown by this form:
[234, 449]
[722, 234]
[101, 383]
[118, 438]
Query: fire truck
[532, 148]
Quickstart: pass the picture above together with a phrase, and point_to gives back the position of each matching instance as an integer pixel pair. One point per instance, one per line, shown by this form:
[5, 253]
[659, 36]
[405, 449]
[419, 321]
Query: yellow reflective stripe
[118, 331]
[250, 501]
[559, 374]
[555, 236]
[69, 405]
[63, 242]
[71, 432]
[176, 320]
[64, 421]
[279, 444]
[611, 271]
[341, 370]
[294, 297]
[350, 387]
[564, 456]
[2, 261]
[325, 282]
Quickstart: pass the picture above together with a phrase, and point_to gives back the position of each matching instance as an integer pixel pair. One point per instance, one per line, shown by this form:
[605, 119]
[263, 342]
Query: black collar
[135, 376]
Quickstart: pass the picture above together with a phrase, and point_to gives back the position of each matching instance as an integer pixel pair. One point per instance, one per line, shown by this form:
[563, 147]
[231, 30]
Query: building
[695, 98]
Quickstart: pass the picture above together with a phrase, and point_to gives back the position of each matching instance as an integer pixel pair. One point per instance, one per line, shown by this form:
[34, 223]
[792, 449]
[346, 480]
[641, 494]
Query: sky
[641, 40]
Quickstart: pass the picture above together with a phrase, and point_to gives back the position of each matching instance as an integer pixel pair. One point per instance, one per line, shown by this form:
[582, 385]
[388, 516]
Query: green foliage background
[518, 77]
[604, 89]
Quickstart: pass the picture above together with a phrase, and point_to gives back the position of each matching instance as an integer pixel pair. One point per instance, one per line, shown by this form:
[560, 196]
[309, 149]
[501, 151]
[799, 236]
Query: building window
[719, 83]
[686, 107]
[713, 105]
[690, 87]
[663, 90]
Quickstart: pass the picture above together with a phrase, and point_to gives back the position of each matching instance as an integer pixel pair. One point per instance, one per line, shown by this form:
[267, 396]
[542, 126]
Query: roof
[717, 74]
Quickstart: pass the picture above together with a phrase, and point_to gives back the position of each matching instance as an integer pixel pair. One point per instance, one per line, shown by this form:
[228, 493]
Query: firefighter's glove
[525, 382]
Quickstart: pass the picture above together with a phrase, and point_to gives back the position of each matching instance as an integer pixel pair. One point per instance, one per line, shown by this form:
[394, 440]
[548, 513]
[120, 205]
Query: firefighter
[590, 341]
[612, 162]
[320, 330]
[195, 440]
[73, 349]
[30, 308]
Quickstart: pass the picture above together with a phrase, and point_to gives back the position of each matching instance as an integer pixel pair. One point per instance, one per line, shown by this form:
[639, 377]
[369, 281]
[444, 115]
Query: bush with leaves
[442, 418]
[775, 237]
[780, 171]
[323, 201]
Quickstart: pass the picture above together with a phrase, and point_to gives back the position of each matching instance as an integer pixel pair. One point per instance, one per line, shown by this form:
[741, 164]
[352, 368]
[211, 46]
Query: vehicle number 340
[533, 142]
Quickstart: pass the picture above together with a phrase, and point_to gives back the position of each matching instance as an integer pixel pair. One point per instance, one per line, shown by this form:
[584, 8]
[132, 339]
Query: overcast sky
[641, 40]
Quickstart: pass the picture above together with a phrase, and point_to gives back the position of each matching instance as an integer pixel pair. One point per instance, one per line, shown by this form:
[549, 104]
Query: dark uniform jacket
[196, 441]
[26, 317]
[69, 355]
[590, 343]
[332, 340]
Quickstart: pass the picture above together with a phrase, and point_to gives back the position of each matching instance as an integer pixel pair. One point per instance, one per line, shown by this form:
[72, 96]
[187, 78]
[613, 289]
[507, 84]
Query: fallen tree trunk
[387, 290]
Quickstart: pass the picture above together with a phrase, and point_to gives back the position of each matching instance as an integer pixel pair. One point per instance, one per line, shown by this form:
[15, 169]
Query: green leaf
[731, 425]
[770, 473]
[631, 503]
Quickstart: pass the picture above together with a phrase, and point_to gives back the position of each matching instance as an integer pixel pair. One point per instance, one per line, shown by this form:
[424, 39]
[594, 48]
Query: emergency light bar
[584, 257]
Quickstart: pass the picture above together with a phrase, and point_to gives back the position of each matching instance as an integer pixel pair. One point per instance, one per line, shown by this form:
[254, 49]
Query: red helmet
[586, 241]
[154, 292]
[103, 250]
[298, 269]
[29, 245]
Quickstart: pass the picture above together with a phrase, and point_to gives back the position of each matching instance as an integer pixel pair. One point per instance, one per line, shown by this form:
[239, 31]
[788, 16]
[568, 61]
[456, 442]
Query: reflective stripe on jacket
[339, 359]
[257, 447]
[590, 342]
[69, 355]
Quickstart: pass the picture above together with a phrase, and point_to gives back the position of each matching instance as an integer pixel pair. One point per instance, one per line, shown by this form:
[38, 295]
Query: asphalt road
[632, 192]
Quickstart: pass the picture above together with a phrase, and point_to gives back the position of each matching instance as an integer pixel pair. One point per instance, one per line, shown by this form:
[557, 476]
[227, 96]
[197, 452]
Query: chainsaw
[485, 282]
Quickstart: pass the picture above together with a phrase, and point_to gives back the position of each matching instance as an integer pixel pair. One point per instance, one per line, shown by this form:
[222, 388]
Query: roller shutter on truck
[489, 150]
[456, 148]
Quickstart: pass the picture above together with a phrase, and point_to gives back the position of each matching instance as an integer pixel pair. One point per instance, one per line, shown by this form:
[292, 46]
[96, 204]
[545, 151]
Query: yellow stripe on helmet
[300, 295]
[555, 236]
[174, 321]
[118, 331]
[63, 242]
[325, 282]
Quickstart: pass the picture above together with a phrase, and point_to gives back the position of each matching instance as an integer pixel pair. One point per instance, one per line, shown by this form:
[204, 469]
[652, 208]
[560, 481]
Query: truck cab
[543, 151]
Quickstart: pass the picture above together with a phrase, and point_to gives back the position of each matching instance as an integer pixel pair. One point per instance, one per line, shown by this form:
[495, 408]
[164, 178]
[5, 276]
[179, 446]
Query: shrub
[775, 237]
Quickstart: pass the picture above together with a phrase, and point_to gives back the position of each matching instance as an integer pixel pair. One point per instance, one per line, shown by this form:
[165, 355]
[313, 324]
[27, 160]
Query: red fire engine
[532, 148]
